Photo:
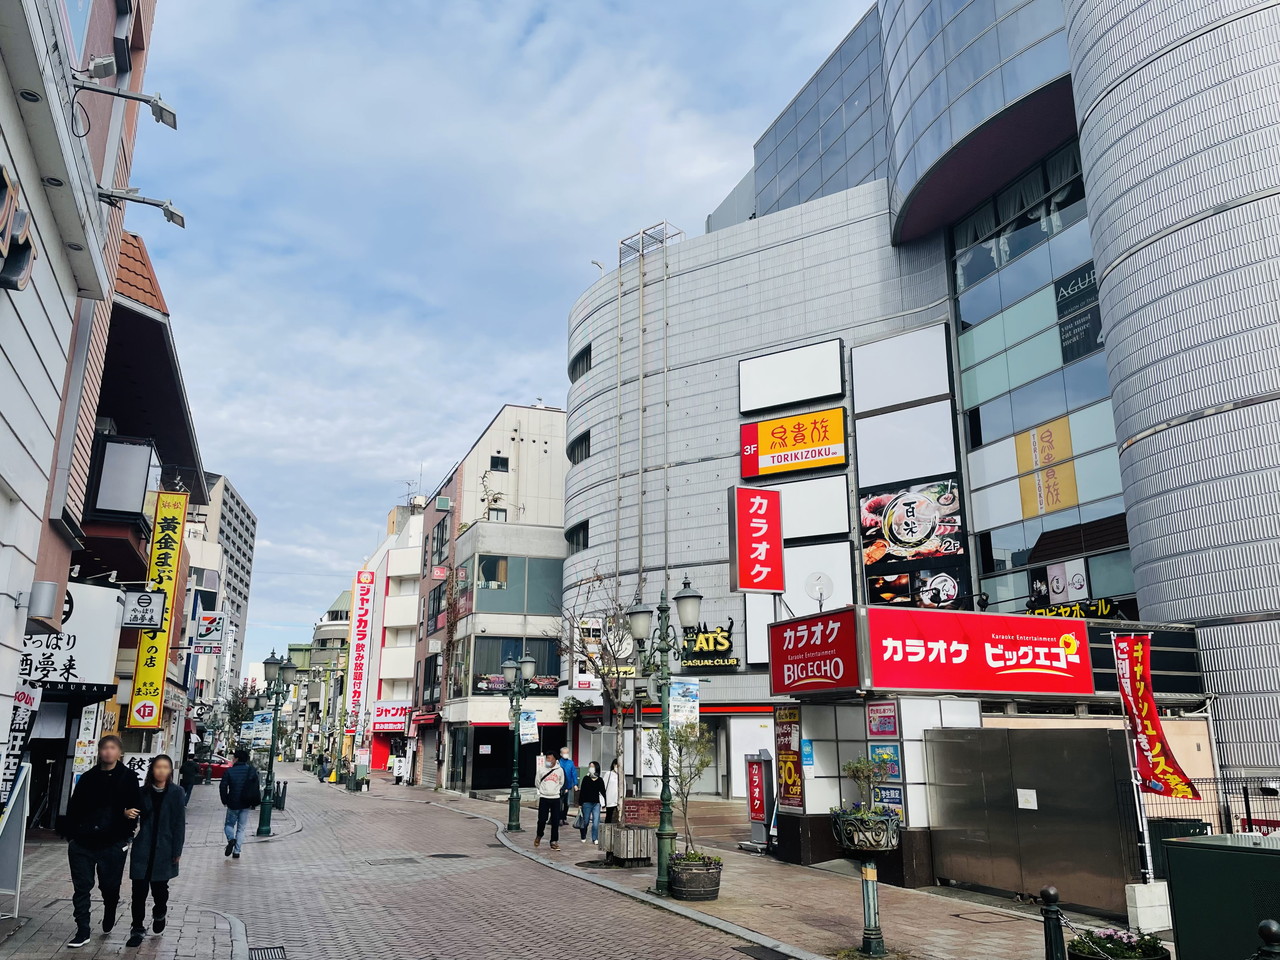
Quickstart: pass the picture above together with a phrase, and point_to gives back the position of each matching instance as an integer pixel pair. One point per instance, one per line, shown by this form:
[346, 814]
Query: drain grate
[762, 953]
[267, 953]
[389, 861]
[449, 856]
[986, 917]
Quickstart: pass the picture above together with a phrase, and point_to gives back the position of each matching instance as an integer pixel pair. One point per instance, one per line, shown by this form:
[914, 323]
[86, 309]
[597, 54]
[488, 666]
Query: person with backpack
[240, 793]
[101, 816]
[550, 781]
[162, 828]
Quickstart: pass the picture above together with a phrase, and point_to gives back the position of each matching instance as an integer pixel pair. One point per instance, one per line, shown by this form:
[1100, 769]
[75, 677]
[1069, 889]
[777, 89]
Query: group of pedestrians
[557, 778]
[109, 810]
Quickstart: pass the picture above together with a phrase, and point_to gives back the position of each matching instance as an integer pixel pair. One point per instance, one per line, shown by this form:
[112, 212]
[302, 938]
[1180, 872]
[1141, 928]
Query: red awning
[424, 718]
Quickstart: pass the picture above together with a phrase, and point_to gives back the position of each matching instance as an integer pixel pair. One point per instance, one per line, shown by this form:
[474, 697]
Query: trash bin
[282, 787]
[1168, 828]
[353, 784]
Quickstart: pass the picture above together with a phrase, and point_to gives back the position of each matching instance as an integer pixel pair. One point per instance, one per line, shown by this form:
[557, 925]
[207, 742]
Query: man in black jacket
[240, 792]
[101, 816]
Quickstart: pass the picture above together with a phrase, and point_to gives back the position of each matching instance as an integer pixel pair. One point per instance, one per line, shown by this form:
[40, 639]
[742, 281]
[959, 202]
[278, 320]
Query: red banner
[755, 791]
[755, 535]
[817, 654]
[945, 650]
[1158, 771]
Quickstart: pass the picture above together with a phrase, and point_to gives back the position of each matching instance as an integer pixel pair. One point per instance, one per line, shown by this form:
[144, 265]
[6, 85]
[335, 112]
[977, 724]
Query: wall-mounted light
[162, 112]
[41, 600]
[114, 197]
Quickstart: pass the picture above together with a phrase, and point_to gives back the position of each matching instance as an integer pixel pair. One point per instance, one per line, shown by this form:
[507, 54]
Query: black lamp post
[279, 676]
[640, 619]
[517, 676]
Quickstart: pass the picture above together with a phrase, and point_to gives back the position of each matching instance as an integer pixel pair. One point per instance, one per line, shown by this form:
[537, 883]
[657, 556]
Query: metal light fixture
[288, 671]
[161, 111]
[639, 620]
[528, 666]
[509, 670]
[688, 605]
[114, 197]
[271, 667]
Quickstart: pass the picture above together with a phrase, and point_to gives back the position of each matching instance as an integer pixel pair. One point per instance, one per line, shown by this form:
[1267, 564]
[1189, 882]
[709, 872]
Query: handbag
[578, 822]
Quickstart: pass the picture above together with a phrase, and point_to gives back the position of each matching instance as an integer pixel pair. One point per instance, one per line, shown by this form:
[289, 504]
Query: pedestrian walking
[100, 820]
[570, 781]
[189, 775]
[590, 796]
[240, 793]
[162, 828]
[322, 769]
[612, 789]
[550, 783]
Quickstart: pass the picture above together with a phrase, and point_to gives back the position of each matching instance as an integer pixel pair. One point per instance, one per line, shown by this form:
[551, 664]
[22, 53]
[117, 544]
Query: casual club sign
[361, 631]
[817, 654]
[755, 535]
[1158, 771]
[800, 442]
[913, 649]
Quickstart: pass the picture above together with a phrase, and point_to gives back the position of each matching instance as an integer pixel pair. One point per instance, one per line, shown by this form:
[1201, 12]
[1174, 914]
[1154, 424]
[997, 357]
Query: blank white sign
[833, 559]
[910, 366]
[791, 376]
[905, 444]
[814, 508]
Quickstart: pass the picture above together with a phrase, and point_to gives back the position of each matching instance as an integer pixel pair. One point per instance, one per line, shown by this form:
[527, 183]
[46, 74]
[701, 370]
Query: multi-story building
[494, 547]
[229, 521]
[326, 677]
[989, 271]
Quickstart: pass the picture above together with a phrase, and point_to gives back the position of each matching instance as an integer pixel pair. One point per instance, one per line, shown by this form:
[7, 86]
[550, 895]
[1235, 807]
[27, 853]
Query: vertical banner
[1158, 771]
[528, 726]
[786, 735]
[683, 703]
[755, 540]
[361, 630]
[147, 700]
[26, 701]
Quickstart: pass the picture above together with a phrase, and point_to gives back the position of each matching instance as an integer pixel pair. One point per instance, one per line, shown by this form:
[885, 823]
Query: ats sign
[912, 649]
[803, 441]
[814, 654]
[755, 537]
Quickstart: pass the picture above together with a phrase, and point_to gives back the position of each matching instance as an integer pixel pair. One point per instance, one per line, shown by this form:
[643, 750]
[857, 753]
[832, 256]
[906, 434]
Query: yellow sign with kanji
[147, 701]
[1045, 491]
[802, 441]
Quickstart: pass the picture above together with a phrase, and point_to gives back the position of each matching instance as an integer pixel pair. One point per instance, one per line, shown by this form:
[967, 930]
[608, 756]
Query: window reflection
[1039, 402]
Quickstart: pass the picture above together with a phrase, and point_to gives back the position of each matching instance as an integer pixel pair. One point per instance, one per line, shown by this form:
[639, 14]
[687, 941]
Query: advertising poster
[528, 726]
[361, 630]
[806, 753]
[941, 587]
[786, 734]
[147, 700]
[1048, 490]
[892, 797]
[683, 701]
[912, 649]
[817, 654]
[1076, 290]
[911, 522]
[882, 718]
[803, 441]
[1158, 770]
[1081, 335]
[755, 541]
[890, 754]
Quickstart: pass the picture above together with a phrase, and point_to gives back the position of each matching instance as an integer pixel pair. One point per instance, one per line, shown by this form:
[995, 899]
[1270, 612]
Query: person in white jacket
[612, 788]
[550, 781]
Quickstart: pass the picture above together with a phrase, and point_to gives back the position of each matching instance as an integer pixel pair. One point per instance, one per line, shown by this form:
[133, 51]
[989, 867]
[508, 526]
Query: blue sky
[391, 207]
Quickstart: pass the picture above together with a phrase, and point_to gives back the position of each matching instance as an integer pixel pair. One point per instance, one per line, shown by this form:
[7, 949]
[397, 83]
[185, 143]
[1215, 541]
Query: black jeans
[564, 805]
[159, 893]
[108, 863]
[549, 809]
[610, 814]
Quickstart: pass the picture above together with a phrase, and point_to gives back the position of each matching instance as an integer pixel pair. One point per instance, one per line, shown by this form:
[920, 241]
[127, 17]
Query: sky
[391, 207]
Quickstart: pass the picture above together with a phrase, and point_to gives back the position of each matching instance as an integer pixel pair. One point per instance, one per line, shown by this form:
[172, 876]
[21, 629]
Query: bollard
[1055, 947]
[1269, 933]
[872, 937]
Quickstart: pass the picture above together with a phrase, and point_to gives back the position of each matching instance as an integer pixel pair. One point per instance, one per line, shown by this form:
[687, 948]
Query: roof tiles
[137, 278]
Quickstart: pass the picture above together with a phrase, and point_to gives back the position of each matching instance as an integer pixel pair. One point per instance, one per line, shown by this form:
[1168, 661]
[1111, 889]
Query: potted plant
[1116, 945]
[866, 826]
[692, 874]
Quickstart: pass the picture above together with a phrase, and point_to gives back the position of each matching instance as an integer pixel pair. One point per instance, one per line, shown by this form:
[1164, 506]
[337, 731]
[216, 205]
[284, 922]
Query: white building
[229, 522]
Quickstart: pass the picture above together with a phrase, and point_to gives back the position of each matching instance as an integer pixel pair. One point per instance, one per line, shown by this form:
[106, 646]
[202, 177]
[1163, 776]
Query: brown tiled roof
[137, 278]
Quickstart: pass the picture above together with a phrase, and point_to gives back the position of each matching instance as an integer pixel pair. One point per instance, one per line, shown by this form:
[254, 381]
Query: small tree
[239, 710]
[869, 774]
[692, 749]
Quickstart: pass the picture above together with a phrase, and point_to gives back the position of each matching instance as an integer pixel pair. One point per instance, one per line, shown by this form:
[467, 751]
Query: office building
[229, 522]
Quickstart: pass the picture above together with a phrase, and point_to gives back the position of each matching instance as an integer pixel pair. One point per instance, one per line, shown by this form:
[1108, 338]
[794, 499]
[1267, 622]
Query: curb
[724, 926]
[239, 934]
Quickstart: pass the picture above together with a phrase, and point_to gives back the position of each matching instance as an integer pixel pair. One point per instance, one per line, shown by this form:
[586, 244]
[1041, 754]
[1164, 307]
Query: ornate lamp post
[517, 676]
[279, 676]
[639, 619]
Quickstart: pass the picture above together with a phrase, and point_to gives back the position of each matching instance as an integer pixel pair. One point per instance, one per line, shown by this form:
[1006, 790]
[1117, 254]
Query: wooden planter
[628, 845]
[693, 880]
[862, 835]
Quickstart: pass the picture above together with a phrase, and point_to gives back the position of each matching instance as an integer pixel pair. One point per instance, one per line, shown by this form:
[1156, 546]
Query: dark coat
[95, 815]
[162, 829]
[240, 789]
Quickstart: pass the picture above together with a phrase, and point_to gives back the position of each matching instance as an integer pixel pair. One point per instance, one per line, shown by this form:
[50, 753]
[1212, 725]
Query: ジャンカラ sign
[755, 541]
[389, 716]
[147, 701]
[943, 650]
[361, 631]
[803, 441]
[1158, 770]
[816, 654]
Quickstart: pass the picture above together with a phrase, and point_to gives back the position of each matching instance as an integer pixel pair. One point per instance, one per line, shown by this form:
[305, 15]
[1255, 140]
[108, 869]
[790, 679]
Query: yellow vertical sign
[147, 702]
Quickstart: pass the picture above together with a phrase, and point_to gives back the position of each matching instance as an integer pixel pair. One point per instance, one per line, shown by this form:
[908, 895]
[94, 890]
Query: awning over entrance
[424, 718]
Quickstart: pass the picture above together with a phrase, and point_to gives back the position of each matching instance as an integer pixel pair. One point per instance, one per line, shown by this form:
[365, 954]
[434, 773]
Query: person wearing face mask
[590, 796]
[550, 782]
[570, 781]
[612, 788]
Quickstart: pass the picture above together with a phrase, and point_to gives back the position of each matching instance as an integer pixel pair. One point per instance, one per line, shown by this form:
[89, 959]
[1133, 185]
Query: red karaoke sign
[911, 649]
[755, 791]
[755, 536]
[817, 654]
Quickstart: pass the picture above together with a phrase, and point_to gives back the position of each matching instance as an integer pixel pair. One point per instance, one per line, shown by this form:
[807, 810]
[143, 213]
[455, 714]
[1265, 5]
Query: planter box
[863, 835]
[693, 881]
[645, 811]
[1073, 955]
[628, 845]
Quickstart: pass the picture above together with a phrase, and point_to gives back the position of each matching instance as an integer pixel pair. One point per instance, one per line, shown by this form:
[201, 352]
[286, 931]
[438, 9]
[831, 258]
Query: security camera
[102, 67]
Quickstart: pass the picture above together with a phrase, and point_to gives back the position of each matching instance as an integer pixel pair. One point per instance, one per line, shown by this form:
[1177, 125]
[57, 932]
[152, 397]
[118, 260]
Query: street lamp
[518, 677]
[279, 676]
[639, 620]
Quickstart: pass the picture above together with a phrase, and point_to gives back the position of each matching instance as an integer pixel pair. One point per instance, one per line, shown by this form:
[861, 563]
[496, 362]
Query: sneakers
[235, 856]
[584, 839]
[80, 939]
[108, 917]
[135, 938]
[231, 845]
[555, 846]
[537, 841]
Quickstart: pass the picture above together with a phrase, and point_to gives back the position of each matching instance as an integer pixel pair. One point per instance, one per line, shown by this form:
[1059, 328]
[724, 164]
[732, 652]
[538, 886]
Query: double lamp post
[279, 676]
[519, 677]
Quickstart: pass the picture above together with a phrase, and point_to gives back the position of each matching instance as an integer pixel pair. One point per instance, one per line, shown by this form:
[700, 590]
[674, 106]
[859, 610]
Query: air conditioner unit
[443, 503]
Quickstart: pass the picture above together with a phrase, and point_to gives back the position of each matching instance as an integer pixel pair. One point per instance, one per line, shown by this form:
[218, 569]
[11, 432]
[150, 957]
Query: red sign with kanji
[755, 536]
[755, 791]
[1158, 771]
[817, 654]
[950, 651]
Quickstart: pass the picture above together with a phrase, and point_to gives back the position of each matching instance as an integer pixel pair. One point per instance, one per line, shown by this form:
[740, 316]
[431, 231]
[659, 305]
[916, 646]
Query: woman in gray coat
[162, 827]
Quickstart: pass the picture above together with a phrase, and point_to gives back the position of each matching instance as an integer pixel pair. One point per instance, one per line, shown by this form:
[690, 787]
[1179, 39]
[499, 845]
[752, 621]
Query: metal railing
[1227, 804]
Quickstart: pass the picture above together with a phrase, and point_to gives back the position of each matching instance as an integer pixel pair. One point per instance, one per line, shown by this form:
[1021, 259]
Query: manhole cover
[449, 856]
[267, 953]
[762, 953]
[388, 861]
[986, 917]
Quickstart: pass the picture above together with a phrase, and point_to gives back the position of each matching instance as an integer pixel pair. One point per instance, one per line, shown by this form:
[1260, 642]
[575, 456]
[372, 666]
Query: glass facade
[831, 136]
[950, 65]
[1048, 518]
